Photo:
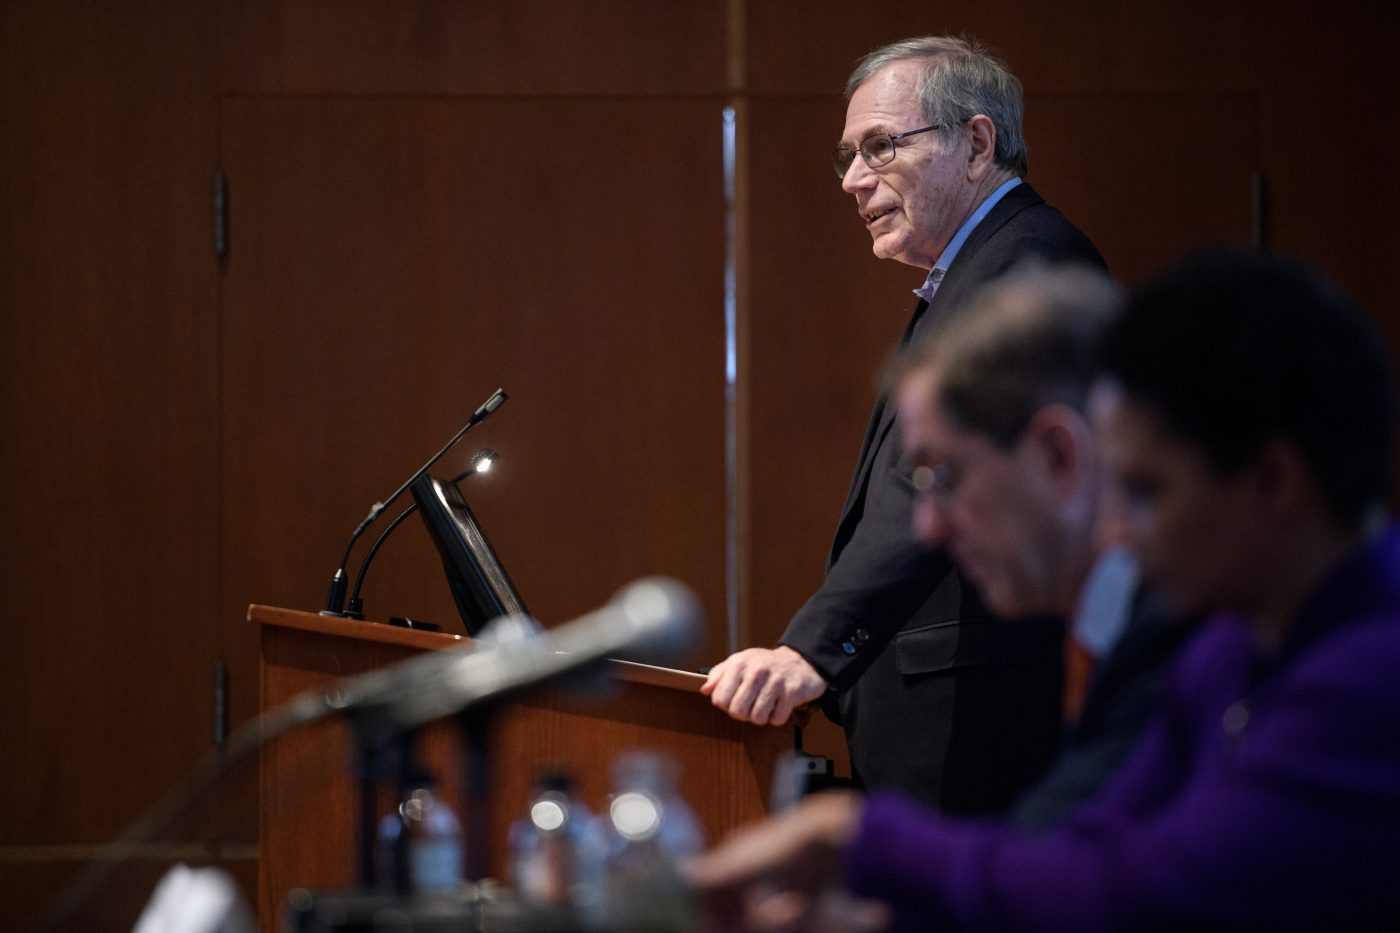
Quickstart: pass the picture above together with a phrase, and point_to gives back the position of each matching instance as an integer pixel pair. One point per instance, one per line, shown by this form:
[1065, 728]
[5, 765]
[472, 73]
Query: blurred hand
[763, 685]
[779, 874]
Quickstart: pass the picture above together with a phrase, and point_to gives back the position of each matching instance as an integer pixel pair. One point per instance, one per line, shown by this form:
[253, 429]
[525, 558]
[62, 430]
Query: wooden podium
[308, 798]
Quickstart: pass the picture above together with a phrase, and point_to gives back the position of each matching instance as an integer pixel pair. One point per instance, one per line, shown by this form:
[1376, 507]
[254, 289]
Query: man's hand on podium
[763, 685]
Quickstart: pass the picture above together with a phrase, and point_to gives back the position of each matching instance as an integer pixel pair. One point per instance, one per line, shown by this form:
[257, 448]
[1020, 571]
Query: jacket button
[861, 636]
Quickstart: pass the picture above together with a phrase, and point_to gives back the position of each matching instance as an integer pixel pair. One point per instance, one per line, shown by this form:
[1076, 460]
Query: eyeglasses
[876, 150]
[939, 482]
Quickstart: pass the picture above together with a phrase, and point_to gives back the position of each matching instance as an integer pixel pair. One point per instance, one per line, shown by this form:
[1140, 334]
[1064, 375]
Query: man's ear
[1064, 447]
[982, 135]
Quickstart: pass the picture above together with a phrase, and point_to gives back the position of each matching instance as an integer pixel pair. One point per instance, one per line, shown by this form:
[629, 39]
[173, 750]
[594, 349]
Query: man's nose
[930, 524]
[858, 177]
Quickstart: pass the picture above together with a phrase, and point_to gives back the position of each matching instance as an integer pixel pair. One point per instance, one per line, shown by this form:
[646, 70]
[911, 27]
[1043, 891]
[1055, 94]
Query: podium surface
[308, 798]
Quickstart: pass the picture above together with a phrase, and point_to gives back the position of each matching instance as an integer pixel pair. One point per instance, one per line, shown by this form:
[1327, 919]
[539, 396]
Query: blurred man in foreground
[1246, 416]
[993, 413]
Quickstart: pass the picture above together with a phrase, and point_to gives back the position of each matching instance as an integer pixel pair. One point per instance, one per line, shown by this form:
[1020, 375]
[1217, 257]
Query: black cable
[355, 608]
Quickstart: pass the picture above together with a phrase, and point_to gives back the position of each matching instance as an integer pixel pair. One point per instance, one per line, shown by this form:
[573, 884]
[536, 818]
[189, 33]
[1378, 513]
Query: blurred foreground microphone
[652, 620]
[335, 600]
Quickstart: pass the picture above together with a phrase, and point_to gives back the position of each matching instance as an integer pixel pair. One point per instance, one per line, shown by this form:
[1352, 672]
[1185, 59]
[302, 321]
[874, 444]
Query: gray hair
[961, 79]
[1025, 341]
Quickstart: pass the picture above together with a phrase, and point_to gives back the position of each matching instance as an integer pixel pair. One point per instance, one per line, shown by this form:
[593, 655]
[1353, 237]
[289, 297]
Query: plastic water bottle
[424, 832]
[650, 829]
[557, 852]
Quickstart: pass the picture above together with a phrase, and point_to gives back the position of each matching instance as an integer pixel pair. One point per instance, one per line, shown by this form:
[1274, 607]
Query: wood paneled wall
[431, 199]
[109, 549]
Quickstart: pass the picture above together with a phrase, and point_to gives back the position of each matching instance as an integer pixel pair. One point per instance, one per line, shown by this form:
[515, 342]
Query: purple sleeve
[946, 873]
[1294, 824]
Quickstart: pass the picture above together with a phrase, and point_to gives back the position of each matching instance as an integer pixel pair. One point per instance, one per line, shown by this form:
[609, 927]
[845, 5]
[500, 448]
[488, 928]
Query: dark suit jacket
[1123, 696]
[937, 700]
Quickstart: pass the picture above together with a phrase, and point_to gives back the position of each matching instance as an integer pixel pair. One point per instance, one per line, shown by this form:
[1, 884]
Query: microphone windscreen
[664, 617]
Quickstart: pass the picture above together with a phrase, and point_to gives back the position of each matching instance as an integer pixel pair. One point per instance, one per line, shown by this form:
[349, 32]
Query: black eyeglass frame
[842, 164]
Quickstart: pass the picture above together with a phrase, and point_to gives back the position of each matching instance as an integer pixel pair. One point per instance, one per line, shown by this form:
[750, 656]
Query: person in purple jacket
[1245, 413]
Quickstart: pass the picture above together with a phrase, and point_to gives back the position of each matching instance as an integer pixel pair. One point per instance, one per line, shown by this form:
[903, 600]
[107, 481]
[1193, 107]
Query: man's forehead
[887, 101]
[925, 429]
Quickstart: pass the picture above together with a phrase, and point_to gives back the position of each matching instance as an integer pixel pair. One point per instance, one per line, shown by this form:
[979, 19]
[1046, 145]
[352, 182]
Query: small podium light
[482, 461]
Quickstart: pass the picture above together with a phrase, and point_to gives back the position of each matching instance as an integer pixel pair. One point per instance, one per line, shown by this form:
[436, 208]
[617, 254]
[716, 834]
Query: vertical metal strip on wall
[736, 565]
[731, 376]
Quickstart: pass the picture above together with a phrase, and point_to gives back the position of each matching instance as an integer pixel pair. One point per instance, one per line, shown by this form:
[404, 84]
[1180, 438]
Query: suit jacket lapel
[882, 418]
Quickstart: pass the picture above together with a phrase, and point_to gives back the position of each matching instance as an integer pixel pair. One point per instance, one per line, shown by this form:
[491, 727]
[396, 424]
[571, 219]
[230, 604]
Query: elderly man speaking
[937, 699]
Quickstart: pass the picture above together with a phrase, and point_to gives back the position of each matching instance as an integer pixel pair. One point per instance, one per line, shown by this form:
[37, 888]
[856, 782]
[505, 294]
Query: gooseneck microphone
[481, 462]
[335, 600]
[355, 609]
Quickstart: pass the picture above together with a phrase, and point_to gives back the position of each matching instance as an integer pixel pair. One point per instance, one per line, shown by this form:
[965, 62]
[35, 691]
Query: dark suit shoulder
[1021, 226]
[1153, 637]
[1022, 223]
[1122, 698]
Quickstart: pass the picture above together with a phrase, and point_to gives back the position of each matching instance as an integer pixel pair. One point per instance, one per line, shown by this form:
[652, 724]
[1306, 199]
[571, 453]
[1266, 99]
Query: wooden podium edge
[386, 634]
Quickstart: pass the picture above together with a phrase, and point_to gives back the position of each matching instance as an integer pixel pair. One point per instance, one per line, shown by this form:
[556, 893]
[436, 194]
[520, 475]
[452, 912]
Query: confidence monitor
[479, 583]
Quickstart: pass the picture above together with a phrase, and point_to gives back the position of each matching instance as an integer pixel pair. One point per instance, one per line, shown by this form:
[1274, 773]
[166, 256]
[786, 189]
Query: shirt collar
[950, 252]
